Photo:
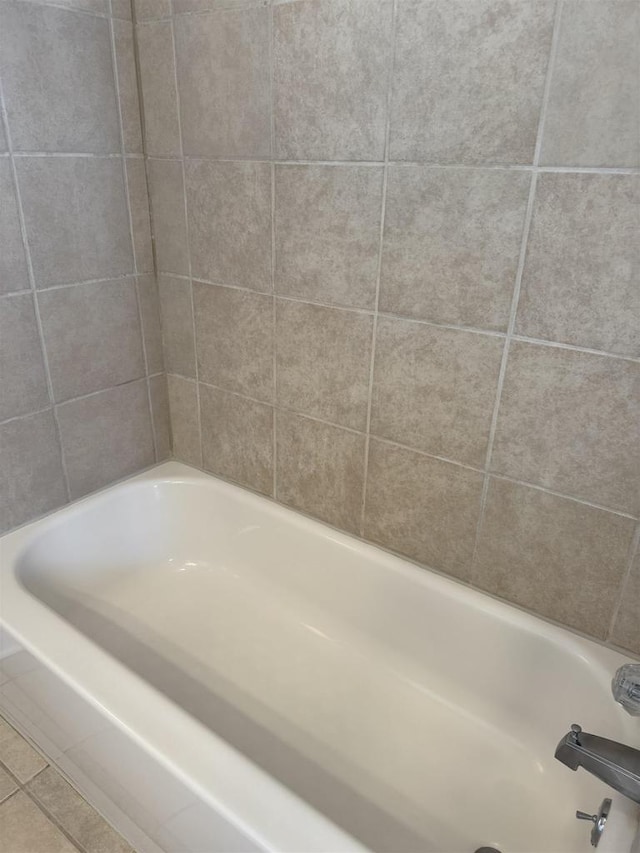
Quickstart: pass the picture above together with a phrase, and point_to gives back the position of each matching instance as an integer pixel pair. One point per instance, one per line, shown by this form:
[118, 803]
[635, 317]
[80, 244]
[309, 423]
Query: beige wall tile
[180, 6]
[17, 755]
[161, 416]
[157, 76]
[106, 436]
[7, 785]
[320, 470]
[327, 225]
[331, 60]
[451, 244]
[434, 389]
[234, 334]
[127, 86]
[121, 9]
[23, 384]
[570, 421]
[557, 557]
[593, 115]
[30, 469]
[92, 336]
[237, 438]
[149, 9]
[140, 219]
[149, 302]
[13, 264]
[23, 827]
[229, 209]
[185, 420]
[166, 189]
[223, 77]
[66, 100]
[477, 71]
[77, 817]
[581, 281]
[323, 362]
[422, 507]
[626, 629]
[177, 326]
[76, 217]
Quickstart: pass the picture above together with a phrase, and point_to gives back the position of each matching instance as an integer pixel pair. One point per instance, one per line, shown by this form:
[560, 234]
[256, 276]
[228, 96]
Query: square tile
[106, 436]
[234, 334]
[140, 217]
[422, 507]
[30, 469]
[127, 86]
[237, 438]
[223, 77]
[626, 629]
[331, 67]
[92, 336]
[469, 79]
[159, 94]
[23, 383]
[570, 421]
[146, 10]
[66, 100]
[23, 827]
[78, 818]
[581, 281]
[593, 114]
[451, 244]
[159, 394]
[320, 470]
[434, 389]
[229, 205]
[185, 420]
[323, 362]
[166, 190]
[13, 263]
[76, 217]
[7, 785]
[18, 755]
[177, 326]
[149, 303]
[327, 229]
[559, 558]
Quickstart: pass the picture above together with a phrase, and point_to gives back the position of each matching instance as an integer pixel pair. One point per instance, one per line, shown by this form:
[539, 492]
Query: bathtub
[218, 673]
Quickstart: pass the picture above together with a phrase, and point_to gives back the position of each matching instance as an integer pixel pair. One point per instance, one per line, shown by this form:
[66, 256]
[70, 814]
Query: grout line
[33, 290]
[115, 278]
[633, 548]
[272, 129]
[56, 155]
[104, 16]
[516, 290]
[422, 164]
[125, 177]
[574, 348]
[188, 238]
[383, 209]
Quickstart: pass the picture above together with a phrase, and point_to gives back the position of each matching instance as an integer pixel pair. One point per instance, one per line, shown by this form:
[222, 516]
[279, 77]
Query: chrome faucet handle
[598, 820]
[625, 687]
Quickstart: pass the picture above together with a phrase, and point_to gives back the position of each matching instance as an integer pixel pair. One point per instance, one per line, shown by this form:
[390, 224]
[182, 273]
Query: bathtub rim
[254, 799]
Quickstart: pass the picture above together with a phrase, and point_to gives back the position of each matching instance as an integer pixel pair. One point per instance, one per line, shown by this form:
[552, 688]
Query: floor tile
[21, 759]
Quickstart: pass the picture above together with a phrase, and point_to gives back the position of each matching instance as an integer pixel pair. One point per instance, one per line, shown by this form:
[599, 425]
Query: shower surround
[396, 246]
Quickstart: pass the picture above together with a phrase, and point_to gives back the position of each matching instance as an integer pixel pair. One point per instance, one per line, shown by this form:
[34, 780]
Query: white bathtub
[218, 673]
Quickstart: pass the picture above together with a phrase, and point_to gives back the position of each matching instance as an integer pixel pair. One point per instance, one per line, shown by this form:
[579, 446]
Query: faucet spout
[614, 763]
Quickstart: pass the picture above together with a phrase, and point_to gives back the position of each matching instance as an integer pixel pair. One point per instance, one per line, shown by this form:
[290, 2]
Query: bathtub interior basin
[408, 710]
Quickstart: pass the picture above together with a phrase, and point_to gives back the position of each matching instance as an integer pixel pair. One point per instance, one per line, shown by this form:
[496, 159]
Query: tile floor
[40, 812]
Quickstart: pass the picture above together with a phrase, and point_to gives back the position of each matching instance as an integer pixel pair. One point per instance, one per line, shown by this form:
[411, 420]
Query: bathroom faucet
[614, 763]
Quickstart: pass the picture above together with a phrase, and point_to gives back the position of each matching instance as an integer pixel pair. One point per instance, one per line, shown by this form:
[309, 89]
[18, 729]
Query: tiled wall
[399, 256]
[83, 396]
